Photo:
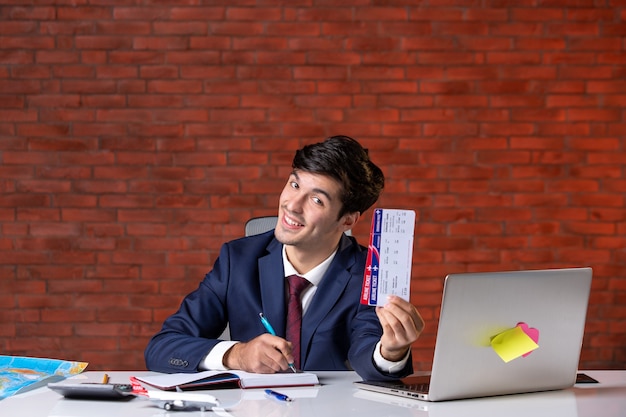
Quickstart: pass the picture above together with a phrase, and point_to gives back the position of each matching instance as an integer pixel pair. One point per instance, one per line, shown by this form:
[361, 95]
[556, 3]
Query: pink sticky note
[530, 332]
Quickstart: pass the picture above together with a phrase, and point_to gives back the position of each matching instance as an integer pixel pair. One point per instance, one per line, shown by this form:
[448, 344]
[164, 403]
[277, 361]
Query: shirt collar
[315, 275]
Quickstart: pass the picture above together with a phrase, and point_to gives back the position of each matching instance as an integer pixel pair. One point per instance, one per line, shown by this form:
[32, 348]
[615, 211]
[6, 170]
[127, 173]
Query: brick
[444, 244]
[56, 57]
[194, 13]
[471, 256]
[7, 102]
[571, 101]
[581, 185]
[476, 228]
[27, 13]
[506, 157]
[549, 129]
[588, 114]
[608, 242]
[611, 58]
[573, 29]
[136, 57]
[114, 274]
[573, 58]
[103, 329]
[497, 129]
[127, 115]
[128, 286]
[30, 72]
[598, 172]
[461, 100]
[530, 72]
[514, 58]
[598, 200]
[17, 57]
[541, 43]
[18, 27]
[29, 214]
[610, 87]
[159, 71]
[162, 43]
[284, 29]
[182, 28]
[65, 115]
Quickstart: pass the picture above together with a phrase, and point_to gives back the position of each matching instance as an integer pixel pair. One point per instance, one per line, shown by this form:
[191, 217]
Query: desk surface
[338, 397]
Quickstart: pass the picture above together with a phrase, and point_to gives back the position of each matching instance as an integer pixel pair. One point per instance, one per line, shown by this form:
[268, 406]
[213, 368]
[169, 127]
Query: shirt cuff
[214, 360]
[388, 366]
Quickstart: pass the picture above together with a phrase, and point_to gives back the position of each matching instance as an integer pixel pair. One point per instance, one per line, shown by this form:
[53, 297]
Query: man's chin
[287, 237]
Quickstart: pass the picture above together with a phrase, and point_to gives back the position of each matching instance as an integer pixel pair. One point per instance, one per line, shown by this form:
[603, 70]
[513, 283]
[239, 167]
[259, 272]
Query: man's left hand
[402, 325]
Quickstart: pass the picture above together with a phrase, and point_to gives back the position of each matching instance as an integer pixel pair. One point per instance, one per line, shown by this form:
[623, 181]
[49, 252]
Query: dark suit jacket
[338, 333]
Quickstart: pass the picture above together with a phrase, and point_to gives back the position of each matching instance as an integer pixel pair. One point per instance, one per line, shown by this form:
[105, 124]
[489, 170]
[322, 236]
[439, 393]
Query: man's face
[307, 213]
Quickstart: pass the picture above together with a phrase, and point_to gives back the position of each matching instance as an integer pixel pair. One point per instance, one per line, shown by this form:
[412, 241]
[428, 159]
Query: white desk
[338, 397]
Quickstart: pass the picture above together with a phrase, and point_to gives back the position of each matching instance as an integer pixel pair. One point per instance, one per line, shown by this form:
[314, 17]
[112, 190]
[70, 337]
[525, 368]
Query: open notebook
[486, 336]
[222, 379]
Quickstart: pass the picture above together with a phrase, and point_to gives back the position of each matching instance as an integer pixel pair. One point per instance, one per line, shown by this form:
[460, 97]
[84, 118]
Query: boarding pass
[389, 256]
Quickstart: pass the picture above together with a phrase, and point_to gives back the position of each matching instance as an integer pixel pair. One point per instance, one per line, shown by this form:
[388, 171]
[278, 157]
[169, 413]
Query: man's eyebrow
[316, 190]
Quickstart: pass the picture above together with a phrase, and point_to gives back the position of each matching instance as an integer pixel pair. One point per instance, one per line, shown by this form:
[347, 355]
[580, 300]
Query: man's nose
[295, 204]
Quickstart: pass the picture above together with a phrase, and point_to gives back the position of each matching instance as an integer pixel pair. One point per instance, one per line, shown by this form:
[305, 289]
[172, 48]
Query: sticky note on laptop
[389, 256]
[513, 343]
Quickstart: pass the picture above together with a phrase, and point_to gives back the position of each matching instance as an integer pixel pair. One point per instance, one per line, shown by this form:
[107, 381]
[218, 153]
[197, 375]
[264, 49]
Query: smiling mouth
[292, 222]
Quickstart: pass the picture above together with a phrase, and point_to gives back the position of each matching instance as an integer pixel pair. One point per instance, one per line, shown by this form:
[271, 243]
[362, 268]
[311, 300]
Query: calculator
[93, 391]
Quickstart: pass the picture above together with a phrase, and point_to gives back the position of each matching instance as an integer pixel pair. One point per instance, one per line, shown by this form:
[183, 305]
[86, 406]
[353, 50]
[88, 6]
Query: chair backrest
[258, 225]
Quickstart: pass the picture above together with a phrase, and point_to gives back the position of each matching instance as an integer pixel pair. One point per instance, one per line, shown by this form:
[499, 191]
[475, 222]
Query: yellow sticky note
[512, 343]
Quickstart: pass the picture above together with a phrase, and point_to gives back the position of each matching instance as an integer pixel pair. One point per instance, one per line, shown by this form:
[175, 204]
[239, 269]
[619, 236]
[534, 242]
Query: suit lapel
[328, 292]
[272, 282]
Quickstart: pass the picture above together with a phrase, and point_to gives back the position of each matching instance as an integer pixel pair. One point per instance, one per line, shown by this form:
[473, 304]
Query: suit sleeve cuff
[388, 366]
[214, 360]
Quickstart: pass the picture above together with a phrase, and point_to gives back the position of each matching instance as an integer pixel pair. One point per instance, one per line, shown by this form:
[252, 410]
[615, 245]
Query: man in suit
[331, 185]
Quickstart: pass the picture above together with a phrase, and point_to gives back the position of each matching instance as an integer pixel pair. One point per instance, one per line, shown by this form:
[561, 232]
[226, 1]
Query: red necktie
[296, 285]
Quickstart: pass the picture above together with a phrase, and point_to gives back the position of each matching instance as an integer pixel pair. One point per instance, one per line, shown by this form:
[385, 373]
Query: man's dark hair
[345, 160]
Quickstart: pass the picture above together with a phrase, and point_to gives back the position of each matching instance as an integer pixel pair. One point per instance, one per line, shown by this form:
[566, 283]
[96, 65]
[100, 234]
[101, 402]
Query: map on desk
[19, 372]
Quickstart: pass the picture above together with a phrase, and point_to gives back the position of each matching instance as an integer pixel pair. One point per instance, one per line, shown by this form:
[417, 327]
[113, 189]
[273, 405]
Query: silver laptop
[475, 308]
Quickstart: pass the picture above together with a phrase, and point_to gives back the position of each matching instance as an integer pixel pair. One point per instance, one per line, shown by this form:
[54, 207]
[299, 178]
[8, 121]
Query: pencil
[105, 379]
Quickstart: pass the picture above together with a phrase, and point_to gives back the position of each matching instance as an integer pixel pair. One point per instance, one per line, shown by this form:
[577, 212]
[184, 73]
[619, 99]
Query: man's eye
[294, 184]
[318, 201]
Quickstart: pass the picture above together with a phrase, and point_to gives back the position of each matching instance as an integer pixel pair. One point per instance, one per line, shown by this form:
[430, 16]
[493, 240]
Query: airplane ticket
[389, 256]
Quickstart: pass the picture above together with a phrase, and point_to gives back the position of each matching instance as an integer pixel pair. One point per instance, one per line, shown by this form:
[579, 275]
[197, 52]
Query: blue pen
[278, 395]
[271, 331]
[267, 325]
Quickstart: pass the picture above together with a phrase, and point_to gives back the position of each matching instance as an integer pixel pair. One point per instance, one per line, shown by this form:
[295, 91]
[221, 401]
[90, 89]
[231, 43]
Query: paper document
[389, 256]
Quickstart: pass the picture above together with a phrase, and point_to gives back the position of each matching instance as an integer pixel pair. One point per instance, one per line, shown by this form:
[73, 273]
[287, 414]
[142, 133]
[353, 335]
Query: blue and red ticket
[389, 256]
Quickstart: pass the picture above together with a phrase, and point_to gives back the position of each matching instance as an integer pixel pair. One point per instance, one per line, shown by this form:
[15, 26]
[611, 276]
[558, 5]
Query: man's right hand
[265, 354]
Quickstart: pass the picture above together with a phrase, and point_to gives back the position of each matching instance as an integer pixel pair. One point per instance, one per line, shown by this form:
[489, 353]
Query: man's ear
[350, 220]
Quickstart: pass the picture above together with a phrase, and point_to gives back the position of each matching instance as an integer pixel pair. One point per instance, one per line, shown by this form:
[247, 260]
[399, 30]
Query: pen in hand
[267, 325]
[271, 331]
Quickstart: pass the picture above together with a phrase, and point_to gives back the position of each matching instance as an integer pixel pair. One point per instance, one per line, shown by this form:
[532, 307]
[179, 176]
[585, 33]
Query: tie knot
[297, 284]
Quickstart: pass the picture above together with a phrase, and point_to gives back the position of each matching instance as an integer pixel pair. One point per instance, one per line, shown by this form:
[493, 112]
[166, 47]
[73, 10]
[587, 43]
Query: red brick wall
[136, 137]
